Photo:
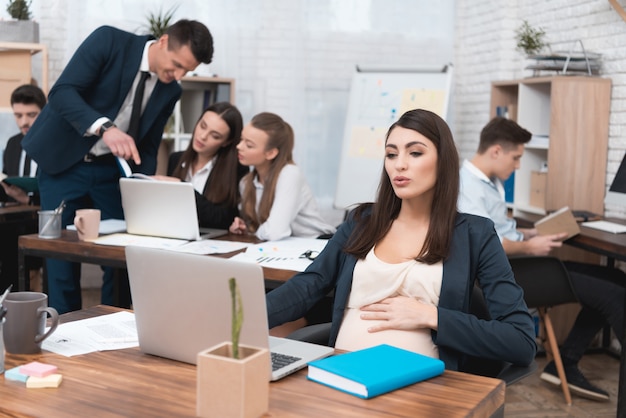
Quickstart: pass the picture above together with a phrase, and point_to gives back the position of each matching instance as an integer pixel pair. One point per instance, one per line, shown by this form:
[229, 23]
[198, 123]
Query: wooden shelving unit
[569, 119]
[16, 68]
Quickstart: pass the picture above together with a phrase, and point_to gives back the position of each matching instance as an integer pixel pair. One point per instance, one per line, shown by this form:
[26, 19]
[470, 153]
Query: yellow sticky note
[50, 381]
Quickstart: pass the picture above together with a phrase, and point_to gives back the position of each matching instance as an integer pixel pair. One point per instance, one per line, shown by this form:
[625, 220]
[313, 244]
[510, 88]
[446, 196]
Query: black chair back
[545, 281]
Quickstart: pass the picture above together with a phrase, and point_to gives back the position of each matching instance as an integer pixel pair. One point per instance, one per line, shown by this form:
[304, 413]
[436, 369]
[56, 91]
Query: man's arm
[538, 245]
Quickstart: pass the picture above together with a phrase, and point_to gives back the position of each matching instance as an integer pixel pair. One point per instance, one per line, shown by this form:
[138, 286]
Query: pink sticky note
[37, 369]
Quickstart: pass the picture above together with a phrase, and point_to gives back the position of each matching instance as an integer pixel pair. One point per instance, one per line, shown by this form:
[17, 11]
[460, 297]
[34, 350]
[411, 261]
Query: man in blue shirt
[499, 152]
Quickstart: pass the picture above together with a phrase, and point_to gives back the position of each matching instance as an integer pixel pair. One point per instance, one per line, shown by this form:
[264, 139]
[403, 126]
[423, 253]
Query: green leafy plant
[19, 9]
[159, 22]
[530, 40]
[237, 315]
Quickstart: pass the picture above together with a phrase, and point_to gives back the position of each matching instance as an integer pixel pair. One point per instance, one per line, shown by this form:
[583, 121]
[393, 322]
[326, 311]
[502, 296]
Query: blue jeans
[84, 185]
[600, 291]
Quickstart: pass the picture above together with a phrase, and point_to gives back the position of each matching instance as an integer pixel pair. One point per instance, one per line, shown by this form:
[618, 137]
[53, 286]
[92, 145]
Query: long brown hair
[371, 229]
[222, 185]
[280, 136]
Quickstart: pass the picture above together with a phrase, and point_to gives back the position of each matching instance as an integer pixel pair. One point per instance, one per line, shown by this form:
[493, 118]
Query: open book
[560, 221]
[127, 172]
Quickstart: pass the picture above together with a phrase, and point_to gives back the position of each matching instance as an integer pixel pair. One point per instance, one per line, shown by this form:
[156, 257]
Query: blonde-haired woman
[276, 200]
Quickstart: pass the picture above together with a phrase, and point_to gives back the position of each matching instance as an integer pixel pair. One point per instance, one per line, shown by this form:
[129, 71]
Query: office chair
[320, 333]
[546, 283]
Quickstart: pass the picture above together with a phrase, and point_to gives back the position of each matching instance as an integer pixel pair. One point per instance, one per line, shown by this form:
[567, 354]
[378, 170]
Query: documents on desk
[203, 247]
[107, 332]
[107, 226]
[287, 254]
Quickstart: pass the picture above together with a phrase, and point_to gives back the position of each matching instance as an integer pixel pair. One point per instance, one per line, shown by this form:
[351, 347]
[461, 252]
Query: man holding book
[599, 289]
[113, 99]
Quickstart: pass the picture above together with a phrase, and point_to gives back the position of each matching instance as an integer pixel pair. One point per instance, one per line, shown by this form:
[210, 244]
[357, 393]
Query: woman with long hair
[276, 201]
[210, 164]
[403, 268]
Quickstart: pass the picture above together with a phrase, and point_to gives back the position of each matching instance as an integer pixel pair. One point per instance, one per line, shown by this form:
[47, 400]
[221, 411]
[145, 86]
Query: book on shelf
[374, 371]
[557, 222]
[28, 184]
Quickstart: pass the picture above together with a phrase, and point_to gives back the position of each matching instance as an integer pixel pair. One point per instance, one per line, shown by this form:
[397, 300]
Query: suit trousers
[84, 185]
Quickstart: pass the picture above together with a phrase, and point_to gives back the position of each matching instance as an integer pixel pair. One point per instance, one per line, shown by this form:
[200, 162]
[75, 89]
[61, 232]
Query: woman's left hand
[400, 312]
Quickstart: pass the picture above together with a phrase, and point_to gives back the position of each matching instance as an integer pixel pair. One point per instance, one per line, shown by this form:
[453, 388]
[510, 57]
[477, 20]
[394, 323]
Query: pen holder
[228, 387]
[49, 224]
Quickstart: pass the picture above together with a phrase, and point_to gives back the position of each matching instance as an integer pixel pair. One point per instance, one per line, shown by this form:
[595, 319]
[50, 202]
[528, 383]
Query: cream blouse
[375, 280]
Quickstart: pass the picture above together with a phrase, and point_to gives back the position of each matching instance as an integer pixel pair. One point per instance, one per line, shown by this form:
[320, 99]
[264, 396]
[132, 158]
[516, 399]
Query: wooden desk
[69, 248]
[613, 246]
[130, 383]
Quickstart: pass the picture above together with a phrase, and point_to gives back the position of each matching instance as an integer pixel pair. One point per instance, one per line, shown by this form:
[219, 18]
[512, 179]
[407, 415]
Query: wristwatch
[105, 126]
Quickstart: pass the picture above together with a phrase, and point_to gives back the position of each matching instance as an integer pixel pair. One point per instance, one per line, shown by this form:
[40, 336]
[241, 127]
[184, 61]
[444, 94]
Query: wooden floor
[529, 398]
[532, 397]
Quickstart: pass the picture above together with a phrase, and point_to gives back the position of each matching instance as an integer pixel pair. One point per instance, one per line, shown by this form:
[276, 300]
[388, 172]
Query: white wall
[291, 57]
[296, 58]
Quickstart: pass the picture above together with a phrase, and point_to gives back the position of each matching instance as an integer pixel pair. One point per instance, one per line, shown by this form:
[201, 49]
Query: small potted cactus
[232, 378]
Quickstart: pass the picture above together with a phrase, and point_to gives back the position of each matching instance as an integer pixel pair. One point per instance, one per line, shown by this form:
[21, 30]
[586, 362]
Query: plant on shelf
[19, 9]
[159, 22]
[530, 40]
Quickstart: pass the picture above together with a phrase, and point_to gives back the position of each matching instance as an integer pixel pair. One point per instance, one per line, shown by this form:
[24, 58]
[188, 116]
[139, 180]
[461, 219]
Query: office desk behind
[130, 383]
[69, 248]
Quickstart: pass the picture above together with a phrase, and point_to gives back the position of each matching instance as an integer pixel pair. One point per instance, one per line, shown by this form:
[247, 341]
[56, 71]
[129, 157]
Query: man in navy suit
[85, 126]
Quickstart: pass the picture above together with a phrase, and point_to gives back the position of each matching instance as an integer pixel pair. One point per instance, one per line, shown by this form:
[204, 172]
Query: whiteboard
[377, 100]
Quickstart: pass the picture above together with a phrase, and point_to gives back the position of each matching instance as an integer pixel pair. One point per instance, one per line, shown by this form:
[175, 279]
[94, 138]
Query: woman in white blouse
[276, 201]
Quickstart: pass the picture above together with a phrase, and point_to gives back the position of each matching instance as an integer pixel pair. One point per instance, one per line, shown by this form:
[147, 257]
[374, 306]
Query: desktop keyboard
[281, 360]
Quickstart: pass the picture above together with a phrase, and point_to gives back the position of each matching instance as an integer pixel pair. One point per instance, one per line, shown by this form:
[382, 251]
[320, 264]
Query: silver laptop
[162, 209]
[182, 306]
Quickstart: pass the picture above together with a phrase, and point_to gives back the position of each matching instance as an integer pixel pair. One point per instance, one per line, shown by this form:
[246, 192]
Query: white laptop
[162, 209]
[182, 306]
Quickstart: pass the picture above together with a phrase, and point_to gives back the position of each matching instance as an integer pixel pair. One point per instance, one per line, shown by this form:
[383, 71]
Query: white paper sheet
[210, 246]
[285, 254]
[107, 332]
[139, 240]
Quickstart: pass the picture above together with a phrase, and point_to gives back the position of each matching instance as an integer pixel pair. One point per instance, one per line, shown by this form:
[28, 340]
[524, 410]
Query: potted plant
[233, 379]
[21, 28]
[159, 22]
[530, 41]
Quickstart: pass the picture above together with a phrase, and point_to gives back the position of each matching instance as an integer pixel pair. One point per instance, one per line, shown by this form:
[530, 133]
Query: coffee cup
[25, 325]
[87, 223]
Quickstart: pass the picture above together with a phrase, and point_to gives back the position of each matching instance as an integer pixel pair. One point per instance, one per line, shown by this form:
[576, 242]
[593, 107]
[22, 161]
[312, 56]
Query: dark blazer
[476, 255]
[94, 84]
[12, 155]
[210, 214]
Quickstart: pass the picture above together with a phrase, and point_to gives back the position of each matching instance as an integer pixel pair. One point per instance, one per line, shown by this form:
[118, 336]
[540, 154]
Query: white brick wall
[297, 58]
[485, 51]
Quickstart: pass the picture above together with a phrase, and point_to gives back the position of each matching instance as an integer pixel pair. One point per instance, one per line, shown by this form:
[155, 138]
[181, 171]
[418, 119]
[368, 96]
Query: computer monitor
[616, 195]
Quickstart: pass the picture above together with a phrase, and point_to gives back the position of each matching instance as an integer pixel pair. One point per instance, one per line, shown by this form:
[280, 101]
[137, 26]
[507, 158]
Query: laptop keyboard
[282, 360]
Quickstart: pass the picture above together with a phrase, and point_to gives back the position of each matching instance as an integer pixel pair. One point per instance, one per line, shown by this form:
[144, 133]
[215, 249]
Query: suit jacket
[476, 254]
[12, 155]
[210, 214]
[94, 84]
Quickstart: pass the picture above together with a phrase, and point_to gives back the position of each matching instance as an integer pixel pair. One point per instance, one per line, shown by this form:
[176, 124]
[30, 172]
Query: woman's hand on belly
[400, 312]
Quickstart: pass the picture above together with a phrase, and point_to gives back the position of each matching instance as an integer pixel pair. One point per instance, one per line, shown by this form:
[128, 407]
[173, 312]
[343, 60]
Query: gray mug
[25, 325]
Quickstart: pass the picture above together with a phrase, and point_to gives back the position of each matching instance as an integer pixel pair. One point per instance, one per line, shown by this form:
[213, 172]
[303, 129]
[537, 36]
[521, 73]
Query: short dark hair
[28, 94]
[504, 132]
[194, 34]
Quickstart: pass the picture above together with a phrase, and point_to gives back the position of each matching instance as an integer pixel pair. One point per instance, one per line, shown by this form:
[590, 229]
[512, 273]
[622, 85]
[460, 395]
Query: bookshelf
[16, 68]
[198, 93]
[569, 119]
